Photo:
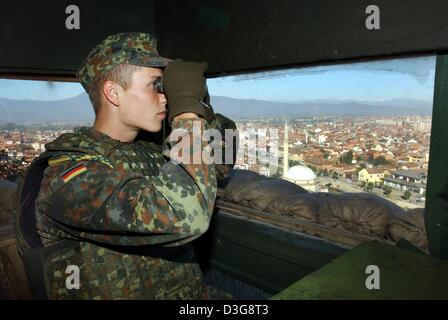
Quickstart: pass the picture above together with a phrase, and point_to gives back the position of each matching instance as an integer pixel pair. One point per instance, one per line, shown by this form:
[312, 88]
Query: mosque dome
[300, 173]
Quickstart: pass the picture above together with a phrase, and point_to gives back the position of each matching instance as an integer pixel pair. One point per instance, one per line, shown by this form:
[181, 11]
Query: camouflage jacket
[130, 211]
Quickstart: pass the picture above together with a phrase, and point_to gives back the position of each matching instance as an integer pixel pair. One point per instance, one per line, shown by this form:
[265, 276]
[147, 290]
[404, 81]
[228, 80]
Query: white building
[302, 176]
[407, 180]
[321, 139]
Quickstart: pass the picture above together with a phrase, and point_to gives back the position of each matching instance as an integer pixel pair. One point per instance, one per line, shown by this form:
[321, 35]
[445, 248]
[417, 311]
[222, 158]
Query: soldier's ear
[110, 92]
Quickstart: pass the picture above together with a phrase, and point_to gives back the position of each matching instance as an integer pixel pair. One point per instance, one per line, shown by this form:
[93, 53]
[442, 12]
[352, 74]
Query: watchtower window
[358, 127]
[34, 113]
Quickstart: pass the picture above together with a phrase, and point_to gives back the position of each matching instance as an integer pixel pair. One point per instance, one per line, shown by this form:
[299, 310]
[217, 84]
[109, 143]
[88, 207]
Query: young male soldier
[116, 208]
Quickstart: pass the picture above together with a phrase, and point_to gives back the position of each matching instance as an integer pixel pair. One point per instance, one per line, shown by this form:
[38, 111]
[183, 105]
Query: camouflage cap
[135, 48]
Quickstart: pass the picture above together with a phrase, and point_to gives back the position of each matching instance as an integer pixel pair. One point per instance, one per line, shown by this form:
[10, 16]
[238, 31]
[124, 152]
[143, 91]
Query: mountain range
[79, 109]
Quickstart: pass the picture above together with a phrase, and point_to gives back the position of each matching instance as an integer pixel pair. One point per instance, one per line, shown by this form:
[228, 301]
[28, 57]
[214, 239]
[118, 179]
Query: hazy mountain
[237, 108]
[404, 103]
[79, 109]
[22, 111]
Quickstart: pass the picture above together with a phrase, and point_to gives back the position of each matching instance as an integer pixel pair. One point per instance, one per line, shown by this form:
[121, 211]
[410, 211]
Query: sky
[38, 90]
[411, 78]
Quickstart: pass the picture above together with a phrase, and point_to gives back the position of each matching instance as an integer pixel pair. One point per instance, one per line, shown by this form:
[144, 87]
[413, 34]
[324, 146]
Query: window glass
[34, 113]
[360, 127]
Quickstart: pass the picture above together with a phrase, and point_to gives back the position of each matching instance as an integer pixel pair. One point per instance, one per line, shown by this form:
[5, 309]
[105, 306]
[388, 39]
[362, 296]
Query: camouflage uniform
[124, 213]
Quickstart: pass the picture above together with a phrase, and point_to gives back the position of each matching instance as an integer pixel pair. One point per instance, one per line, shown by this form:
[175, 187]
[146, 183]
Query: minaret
[285, 152]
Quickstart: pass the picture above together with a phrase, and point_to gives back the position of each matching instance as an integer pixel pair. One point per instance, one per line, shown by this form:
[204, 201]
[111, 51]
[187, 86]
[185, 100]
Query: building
[416, 158]
[414, 181]
[373, 175]
[300, 174]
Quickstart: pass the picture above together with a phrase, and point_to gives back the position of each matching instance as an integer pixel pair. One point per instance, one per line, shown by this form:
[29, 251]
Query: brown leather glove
[185, 89]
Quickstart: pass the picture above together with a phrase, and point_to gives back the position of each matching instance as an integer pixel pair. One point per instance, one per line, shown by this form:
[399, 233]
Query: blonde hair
[121, 74]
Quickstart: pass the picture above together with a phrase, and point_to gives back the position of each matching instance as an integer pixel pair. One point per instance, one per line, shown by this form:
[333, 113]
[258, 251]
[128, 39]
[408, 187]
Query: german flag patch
[73, 172]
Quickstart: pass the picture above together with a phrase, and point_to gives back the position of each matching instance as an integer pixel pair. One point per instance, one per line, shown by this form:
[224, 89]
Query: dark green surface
[35, 41]
[231, 35]
[403, 275]
[235, 35]
[405, 244]
[436, 216]
[266, 257]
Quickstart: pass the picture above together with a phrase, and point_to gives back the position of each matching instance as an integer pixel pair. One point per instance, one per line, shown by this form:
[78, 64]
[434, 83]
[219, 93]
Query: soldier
[117, 208]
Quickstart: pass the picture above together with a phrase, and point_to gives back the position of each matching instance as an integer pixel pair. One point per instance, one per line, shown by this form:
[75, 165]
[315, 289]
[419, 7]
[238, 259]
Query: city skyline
[345, 154]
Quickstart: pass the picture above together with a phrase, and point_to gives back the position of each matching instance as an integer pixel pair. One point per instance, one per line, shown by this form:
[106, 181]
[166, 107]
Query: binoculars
[158, 85]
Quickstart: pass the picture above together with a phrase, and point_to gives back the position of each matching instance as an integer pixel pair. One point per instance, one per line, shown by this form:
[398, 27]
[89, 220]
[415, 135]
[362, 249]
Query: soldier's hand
[184, 85]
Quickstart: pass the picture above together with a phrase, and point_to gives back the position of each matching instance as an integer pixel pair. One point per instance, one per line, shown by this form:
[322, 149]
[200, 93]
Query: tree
[277, 174]
[369, 187]
[322, 173]
[10, 126]
[377, 161]
[380, 161]
[335, 175]
[387, 190]
[361, 167]
[406, 195]
[347, 157]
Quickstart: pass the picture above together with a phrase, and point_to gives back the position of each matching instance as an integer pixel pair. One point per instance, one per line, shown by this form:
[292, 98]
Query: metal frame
[436, 213]
[262, 255]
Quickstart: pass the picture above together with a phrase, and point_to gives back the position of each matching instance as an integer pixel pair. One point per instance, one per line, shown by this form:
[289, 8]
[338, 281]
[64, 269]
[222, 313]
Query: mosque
[299, 174]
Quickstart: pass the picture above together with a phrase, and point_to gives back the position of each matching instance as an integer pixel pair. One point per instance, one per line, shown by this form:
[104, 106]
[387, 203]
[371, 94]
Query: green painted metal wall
[236, 36]
[35, 41]
[436, 216]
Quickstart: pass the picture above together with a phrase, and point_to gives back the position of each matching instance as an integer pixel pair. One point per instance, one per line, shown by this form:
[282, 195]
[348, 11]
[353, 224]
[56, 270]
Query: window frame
[436, 214]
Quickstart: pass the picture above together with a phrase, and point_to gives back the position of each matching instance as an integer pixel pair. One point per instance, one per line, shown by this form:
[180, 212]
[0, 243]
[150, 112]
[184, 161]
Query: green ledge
[403, 274]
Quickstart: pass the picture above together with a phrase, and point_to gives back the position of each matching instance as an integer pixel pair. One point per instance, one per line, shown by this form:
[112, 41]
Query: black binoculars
[158, 85]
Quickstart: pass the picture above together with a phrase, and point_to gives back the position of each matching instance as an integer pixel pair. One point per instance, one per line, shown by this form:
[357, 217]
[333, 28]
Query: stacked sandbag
[13, 281]
[410, 225]
[252, 190]
[362, 213]
[236, 179]
[304, 206]
[8, 201]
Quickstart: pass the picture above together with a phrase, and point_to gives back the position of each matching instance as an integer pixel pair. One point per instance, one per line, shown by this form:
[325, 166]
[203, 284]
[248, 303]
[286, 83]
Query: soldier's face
[141, 106]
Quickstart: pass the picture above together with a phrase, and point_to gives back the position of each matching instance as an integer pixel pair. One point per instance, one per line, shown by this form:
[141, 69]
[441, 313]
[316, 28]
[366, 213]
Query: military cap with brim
[135, 48]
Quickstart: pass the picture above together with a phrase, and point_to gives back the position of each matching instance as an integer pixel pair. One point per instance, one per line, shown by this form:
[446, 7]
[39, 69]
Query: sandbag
[410, 225]
[256, 191]
[13, 279]
[362, 213]
[303, 206]
[236, 179]
[8, 201]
